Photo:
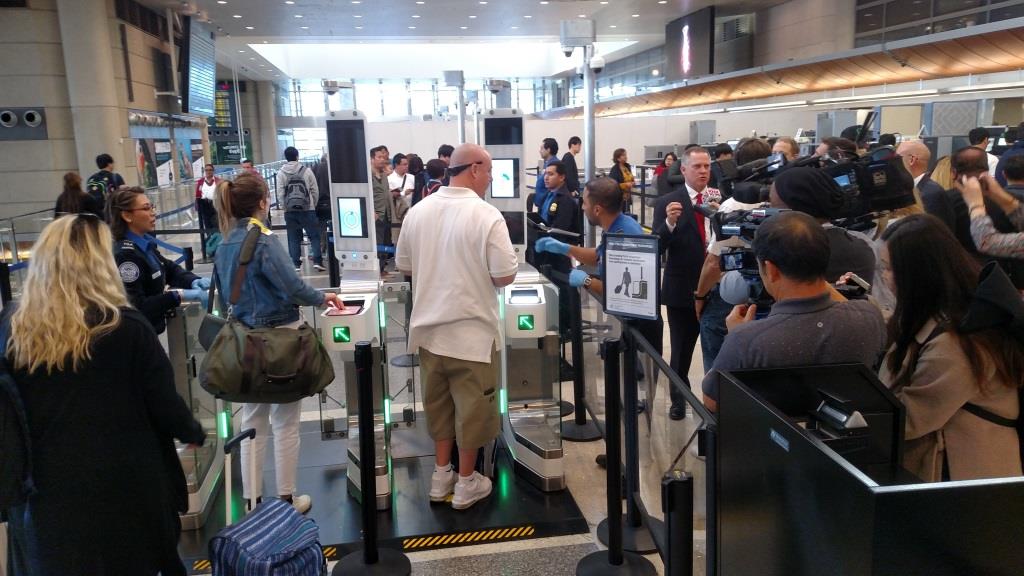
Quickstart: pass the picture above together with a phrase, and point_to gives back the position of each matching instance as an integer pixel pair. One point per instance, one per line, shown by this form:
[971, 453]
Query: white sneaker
[302, 503]
[469, 491]
[442, 484]
[319, 268]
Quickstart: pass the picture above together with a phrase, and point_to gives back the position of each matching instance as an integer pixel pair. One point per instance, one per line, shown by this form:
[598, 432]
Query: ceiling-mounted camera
[597, 63]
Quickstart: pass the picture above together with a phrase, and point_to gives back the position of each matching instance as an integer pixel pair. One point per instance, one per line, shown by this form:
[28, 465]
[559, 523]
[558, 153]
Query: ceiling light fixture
[986, 87]
[543, 1]
[304, 27]
[882, 96]
[527, 16]
[412, 27]
[636, 15]
[483, 1]
[655, 72]
[604, 1]
[415, 15]
[662, 1]
[515, 27]
[222, 1]
[357, 1]
[463, 27]
[237, 16]
[582, 15]
[613, 26]
[359, 27]
[289, 2]
[472, 15]
[357, 15]
[420, 2]
[250, 28]
[697, 112]
[241, 51]
[772, 106]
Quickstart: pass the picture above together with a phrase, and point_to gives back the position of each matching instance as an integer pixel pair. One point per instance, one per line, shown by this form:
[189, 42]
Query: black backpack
[296, 193]
[15, 444]
[98, 186]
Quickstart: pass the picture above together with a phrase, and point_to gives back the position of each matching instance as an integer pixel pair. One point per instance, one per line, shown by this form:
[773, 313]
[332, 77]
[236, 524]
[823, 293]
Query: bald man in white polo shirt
[457, 249]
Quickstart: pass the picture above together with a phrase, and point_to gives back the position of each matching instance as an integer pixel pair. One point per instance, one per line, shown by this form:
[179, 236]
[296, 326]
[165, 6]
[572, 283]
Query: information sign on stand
[631, 276]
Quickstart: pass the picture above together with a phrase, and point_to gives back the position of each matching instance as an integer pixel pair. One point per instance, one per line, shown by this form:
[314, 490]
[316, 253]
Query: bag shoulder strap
[978, 411]
[244, 257]
[213, 288]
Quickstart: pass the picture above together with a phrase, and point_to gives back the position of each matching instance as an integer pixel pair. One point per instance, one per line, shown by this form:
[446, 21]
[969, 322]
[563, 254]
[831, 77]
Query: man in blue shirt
[602, 206]
[542, 197]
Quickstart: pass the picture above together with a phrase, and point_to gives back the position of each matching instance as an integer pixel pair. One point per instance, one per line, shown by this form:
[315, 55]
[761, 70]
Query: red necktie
[700, 219]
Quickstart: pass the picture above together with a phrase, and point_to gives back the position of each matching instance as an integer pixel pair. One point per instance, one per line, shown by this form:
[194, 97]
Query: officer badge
[553, 208]
[129, 272]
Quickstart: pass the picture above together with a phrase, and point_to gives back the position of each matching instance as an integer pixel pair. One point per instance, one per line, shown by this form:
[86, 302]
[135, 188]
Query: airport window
[943, 7]
[1006, 13]
[897, 12]
[961, 22]
[908, 32]
[870, 19]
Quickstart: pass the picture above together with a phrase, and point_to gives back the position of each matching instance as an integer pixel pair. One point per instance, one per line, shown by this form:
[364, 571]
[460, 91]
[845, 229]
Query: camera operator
[812, 192]
[810, 323]
[710, 308]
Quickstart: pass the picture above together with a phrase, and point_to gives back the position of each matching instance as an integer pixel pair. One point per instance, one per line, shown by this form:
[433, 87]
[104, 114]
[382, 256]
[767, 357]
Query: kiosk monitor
[516, 223]
[505, 178]
[352, 217]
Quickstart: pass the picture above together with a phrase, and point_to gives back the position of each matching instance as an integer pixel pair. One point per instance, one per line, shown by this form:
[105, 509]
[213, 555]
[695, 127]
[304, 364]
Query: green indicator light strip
[503, 401]
[387, 411]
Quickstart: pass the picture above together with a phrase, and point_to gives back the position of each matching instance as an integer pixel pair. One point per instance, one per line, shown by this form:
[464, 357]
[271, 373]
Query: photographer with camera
[810, 323]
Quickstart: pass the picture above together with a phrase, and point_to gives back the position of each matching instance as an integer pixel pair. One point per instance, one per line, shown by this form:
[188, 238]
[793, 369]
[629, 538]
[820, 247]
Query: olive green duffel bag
[263, 365]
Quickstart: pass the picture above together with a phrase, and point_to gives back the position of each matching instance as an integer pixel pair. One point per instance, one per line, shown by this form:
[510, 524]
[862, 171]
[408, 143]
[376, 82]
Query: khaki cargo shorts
[460, 398]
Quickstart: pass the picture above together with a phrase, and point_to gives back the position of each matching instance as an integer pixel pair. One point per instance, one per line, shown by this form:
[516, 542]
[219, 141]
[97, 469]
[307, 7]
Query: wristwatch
[588, 281]
[699, 297]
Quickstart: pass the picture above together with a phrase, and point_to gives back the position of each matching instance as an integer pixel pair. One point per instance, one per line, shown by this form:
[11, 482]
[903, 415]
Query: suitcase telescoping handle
[229, 447]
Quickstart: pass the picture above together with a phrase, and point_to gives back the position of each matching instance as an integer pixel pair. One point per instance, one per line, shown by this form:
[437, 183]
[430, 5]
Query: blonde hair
[71, 297]
[941, 174]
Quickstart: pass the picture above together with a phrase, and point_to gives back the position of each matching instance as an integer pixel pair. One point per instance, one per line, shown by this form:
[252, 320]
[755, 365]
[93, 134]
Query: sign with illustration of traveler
[631, 272]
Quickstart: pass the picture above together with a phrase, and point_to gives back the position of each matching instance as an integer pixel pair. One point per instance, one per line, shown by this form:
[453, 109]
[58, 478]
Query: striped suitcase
[272, 540]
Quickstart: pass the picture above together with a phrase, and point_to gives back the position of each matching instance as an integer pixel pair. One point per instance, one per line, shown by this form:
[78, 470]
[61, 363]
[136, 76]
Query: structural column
[89, 63]
[267, 129]
[589, 166]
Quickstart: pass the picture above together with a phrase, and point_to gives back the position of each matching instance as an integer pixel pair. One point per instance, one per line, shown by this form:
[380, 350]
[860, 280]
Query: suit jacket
[572, 175]
[684, 247]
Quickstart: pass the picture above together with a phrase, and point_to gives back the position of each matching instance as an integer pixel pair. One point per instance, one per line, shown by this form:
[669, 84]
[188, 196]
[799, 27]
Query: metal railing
[176, 215]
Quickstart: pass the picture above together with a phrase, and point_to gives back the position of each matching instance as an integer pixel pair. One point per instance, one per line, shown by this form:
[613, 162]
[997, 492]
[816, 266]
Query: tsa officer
[559, 211]
[155, 285]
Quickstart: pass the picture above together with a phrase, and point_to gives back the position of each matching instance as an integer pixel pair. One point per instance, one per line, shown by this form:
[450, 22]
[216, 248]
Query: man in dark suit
[682, 235]
[936, 201]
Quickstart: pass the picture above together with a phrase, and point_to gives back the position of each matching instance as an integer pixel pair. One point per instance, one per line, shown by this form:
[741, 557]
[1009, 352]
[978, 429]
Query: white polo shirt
[454, 243]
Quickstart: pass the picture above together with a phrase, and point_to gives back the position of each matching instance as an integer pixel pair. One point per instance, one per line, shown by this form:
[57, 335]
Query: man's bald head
[916, 156]
[969, 161]
[470, 167]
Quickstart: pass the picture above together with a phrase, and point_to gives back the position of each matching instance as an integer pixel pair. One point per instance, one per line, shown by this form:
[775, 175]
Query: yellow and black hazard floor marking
[467, 538]
[201, 566]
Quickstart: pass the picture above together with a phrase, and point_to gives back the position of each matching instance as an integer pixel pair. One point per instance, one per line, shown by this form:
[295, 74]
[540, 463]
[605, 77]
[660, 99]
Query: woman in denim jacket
[271, 294]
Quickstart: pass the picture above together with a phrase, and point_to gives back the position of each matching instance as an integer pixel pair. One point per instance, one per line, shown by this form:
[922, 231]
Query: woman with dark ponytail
[74, 200]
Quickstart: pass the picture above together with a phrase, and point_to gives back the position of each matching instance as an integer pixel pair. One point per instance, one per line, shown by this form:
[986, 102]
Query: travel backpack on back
[296, 193]
[98, 187]
[15, 444]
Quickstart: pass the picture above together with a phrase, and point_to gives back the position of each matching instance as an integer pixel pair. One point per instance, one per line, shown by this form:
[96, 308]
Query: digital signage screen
[199, 69]
[690, 45]
[505, 178]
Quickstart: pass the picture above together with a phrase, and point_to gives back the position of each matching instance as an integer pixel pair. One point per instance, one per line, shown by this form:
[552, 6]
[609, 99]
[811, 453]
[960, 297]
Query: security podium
[531, 391]
[202, 465]
[810, 481]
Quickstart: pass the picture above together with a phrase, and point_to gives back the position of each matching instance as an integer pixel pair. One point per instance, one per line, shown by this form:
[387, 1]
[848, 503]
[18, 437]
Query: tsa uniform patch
[553, 208]
[129, 272]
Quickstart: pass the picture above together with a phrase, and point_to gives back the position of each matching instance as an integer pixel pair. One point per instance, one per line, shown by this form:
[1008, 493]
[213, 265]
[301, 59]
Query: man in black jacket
[677, 226]
[572, 175]
[916, 157]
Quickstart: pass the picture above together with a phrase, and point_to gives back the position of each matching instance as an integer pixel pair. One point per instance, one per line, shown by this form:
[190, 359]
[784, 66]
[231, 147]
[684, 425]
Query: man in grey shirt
[810, 323]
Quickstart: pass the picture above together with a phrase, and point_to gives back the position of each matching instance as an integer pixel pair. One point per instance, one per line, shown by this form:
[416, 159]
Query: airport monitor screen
[503, 131]
[346, 146]
[689, 45]
[505, 178]
[352, 217]
[516, 223]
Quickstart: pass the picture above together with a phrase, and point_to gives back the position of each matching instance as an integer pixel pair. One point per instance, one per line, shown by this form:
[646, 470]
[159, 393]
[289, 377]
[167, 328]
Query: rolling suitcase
[272, 540]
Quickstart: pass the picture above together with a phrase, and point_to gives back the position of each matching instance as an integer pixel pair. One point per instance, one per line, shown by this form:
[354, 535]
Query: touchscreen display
[505, 178]
[352, 217]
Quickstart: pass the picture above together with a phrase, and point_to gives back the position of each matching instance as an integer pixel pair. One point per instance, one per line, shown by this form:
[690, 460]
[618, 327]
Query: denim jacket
[272, 290]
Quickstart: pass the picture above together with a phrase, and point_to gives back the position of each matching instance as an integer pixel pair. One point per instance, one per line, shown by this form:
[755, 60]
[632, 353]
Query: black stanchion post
[333, 266]
[614, 560]
[677, 504]
[636, 536]
[190, 258]
[6, 293]
[580, 429]
[643, 196]
[371, 560]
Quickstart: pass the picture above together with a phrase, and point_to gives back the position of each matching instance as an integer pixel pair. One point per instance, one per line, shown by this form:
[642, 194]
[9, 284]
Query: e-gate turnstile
[530, 360]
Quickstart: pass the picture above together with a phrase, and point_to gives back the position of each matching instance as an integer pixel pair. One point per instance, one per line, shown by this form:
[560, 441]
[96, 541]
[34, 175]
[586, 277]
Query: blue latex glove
[201, 283]
[548, 244]
[576, 277]
[195, 295]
